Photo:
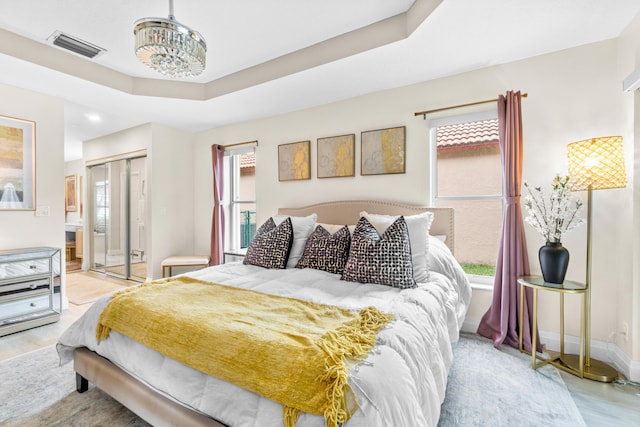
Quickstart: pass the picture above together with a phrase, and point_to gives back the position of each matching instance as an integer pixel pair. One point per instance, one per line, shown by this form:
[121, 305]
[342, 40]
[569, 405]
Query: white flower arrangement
[556, 215]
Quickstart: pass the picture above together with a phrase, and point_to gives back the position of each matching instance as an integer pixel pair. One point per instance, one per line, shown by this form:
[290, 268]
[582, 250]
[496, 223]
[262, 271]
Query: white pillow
[418, 226]
[303, 226]
[334, 228]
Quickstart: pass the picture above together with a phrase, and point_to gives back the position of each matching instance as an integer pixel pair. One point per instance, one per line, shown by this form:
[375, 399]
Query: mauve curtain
[217, 223]
[500, 322]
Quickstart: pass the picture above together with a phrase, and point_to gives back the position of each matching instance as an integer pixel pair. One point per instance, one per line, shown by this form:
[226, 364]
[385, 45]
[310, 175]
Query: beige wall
[171, 191]
[573, 94]
[21, 229]
[169, 217]
[629, 292]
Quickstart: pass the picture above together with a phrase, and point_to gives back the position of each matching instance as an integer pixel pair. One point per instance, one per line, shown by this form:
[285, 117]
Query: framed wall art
[294, 161]
[336, 156]
[17, 164]
[80, 195]
[383, 151]
[70, 194]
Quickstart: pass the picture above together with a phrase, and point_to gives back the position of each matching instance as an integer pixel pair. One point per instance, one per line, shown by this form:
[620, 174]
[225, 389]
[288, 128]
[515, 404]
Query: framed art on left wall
[70, 196]
[17, 164]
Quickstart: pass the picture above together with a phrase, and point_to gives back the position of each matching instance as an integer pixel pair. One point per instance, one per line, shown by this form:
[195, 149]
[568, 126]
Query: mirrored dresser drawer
[28, 295]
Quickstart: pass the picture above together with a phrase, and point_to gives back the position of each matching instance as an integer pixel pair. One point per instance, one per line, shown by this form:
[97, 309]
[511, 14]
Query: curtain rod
[424, 113]
[241, 143]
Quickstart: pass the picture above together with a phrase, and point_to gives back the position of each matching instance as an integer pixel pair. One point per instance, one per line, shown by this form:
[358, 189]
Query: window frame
[478, 282]
[233, 202]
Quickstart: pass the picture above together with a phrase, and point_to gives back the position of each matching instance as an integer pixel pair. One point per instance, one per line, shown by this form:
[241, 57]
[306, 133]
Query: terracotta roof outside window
[465, 136]
[248, 160]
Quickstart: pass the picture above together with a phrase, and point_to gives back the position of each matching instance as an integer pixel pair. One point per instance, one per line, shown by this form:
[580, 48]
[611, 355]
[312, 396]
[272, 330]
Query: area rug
[491, 387]
[487, 387]
[37, 392]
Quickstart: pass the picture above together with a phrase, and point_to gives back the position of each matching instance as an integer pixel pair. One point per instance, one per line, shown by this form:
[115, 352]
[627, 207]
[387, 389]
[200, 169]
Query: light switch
[42, 211]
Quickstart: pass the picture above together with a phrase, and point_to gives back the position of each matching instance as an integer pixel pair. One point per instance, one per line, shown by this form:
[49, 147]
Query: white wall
[21, 229]
[169, 217]
[629, 294]
[573, 95]
[171, 194]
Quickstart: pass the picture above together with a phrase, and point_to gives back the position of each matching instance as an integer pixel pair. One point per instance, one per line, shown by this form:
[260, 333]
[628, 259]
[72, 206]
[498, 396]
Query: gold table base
[596, 370]
[581, 365]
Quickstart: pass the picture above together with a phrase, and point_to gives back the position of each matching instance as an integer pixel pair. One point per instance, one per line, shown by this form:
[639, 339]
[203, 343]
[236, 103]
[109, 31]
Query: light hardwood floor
[605, 404]
[601, 405]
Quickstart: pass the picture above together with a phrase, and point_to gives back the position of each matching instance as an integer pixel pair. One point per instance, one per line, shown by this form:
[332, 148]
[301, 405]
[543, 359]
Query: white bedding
[401, 383]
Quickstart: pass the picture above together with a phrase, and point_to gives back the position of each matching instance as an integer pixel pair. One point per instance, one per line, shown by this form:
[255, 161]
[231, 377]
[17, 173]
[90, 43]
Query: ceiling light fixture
[93, 117]
[170, 47]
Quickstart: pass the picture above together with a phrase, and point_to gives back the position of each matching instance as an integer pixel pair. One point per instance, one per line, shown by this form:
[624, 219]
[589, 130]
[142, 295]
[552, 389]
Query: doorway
[118, 201]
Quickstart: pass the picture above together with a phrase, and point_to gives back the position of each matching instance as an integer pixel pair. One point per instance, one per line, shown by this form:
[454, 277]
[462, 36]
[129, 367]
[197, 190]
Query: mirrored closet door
[118, 200]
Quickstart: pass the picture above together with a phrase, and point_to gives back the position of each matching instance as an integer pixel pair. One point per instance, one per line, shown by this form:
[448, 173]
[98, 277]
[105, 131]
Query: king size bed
[396, 374]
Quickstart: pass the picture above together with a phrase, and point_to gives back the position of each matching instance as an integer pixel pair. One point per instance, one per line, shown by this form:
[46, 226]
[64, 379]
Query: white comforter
[401, 383]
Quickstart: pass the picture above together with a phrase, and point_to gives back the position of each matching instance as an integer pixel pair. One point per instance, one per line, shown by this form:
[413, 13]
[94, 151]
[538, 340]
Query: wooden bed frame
[160, 410]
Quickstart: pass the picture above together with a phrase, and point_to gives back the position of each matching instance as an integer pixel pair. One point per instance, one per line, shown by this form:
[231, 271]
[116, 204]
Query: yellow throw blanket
[291, 351]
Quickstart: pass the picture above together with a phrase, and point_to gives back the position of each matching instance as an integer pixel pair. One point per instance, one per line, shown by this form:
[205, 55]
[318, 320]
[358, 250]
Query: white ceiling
[270, 57]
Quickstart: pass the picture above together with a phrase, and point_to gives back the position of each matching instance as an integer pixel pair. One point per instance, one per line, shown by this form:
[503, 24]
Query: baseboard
[606, 352]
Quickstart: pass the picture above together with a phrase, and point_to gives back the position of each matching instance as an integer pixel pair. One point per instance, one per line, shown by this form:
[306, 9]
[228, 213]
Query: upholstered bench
[184, 261]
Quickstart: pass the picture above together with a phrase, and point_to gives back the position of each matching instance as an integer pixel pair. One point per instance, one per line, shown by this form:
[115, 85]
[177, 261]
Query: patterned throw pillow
[325, 251]
[385, 260]
[271, 245]
[418, 226]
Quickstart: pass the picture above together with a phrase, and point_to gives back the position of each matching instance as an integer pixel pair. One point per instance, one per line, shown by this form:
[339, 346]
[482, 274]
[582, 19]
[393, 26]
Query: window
[240, 197]
[466, 174]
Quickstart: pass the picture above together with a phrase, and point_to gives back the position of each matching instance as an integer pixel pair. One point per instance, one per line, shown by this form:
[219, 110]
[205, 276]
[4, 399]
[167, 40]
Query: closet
[117, 196]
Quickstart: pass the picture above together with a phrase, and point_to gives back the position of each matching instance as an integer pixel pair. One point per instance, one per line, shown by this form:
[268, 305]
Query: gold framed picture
[17, 164]
[383, 151]
[336, 156]
[294, 161]
[70, 194]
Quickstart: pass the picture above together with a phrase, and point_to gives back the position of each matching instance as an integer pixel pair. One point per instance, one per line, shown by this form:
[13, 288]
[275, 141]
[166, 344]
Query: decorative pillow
[385, 260]
[419, 226]
[271, 245]
[302, 227]
[325, 251]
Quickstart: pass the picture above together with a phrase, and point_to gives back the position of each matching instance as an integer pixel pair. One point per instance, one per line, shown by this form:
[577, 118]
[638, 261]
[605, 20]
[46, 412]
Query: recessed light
[93, 117]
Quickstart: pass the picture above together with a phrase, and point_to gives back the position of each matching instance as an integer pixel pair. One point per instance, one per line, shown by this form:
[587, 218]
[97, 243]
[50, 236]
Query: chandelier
[169, 47]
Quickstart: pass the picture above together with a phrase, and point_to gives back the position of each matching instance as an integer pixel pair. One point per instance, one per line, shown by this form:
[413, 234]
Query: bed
[401, 381]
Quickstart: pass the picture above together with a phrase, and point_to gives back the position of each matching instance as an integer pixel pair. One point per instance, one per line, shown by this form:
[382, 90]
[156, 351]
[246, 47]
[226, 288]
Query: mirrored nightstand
[233, 255]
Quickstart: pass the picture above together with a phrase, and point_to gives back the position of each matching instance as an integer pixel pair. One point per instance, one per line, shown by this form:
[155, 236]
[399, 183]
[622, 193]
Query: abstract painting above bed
[401, 381]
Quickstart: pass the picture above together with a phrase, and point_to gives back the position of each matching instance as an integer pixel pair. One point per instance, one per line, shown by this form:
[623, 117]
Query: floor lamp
[594, 164]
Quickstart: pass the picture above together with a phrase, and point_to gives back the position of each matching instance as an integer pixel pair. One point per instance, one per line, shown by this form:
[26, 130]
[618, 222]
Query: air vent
[75, 45]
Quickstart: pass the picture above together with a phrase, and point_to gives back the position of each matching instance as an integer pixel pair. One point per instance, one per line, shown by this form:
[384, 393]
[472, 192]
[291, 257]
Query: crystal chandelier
[170, 47]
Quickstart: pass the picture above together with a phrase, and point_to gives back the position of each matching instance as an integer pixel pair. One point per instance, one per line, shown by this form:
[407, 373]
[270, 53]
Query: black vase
[554, 260]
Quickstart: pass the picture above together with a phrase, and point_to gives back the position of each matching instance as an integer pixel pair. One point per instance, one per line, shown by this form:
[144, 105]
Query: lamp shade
[597, 162]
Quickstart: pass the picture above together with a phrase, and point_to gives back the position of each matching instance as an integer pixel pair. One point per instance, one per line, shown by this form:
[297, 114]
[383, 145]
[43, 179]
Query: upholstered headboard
[348, 212]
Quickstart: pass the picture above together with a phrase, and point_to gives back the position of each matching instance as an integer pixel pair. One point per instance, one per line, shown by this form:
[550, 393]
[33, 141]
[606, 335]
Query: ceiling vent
[75, 45]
